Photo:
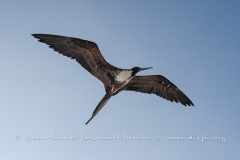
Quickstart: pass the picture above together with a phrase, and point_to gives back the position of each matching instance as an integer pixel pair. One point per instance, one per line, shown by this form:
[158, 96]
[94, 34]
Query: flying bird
[114, 79]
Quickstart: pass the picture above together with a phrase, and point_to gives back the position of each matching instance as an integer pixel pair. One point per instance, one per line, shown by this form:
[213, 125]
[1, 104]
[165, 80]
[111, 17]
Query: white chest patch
[123, 76]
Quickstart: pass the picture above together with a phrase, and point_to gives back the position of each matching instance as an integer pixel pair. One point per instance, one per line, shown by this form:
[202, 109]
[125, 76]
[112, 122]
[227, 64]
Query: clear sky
[44, 95]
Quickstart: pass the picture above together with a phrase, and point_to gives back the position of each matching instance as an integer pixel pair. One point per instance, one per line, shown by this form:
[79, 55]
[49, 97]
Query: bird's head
[138, 69]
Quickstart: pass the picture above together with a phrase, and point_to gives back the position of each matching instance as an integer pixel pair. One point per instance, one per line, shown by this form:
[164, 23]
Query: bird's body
[88, 55]
[123, 76]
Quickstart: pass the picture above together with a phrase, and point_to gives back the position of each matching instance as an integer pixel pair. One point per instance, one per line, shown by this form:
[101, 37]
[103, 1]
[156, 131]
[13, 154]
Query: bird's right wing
[160, 86]
[86, 53]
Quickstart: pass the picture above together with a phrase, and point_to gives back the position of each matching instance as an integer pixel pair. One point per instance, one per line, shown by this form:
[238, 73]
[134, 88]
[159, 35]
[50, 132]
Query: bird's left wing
[160, 86]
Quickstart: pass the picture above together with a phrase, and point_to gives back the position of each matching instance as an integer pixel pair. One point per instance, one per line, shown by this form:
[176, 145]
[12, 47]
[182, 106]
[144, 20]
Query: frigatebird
[114, 79]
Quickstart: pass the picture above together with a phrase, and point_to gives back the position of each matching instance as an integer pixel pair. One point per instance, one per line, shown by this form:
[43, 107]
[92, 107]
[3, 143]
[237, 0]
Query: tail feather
[99, 107]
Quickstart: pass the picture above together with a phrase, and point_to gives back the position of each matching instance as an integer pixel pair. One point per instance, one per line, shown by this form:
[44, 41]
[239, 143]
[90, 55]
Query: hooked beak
[145, 68]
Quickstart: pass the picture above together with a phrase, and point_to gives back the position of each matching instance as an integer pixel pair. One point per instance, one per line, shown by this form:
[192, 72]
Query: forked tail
[99, 106]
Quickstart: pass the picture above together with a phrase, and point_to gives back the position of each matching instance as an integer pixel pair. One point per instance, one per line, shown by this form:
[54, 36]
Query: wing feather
[160, 86]
[86, 53]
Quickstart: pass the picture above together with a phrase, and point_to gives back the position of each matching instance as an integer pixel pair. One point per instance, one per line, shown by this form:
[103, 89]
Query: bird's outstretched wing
[160, 86]
[86, 53]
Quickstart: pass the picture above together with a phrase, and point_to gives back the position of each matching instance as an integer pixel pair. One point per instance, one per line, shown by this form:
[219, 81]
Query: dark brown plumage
[160, 86]
[88, 55]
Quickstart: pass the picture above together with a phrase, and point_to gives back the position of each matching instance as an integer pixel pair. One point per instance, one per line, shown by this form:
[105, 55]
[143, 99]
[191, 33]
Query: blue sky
[195, 44]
